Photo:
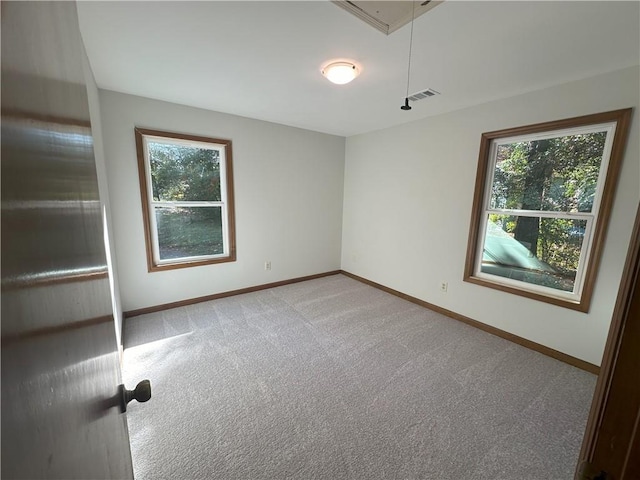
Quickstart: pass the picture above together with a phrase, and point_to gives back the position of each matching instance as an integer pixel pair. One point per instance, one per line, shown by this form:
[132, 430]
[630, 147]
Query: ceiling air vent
[429, 92]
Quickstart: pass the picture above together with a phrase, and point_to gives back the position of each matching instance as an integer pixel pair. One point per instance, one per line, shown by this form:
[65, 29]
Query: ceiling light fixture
[406, 98]
[340, 72]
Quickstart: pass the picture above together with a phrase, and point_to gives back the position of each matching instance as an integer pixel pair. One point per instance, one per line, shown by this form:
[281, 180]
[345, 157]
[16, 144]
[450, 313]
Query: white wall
[407, 207]
[98, 149]
[288, 187]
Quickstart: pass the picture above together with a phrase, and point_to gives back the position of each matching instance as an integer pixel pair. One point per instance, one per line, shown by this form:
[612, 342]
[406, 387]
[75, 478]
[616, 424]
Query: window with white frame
[187, 198]
[542, 201]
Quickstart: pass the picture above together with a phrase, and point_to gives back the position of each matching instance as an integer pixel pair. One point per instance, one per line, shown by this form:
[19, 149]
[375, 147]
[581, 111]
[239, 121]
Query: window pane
[184, 173]
[540, 251]
[189, 232]
[554, 174]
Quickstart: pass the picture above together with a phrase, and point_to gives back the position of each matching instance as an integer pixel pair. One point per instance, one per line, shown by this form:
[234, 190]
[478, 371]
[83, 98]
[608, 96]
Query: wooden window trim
[623, 120]
[144, 184]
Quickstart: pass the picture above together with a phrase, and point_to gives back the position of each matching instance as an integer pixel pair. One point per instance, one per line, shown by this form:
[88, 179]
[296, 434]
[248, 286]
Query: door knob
[141, 393]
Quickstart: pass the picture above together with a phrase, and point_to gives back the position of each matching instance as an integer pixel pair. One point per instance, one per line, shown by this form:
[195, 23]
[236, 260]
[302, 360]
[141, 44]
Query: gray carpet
[333, 379]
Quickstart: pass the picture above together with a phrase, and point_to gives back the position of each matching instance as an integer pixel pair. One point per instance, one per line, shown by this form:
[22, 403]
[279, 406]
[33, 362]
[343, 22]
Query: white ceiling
[262, 59]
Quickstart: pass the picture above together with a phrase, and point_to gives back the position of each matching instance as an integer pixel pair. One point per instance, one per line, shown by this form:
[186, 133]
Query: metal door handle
[141, 393]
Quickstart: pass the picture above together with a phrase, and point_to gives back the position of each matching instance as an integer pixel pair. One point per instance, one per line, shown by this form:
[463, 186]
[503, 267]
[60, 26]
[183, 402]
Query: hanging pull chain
[406, 99]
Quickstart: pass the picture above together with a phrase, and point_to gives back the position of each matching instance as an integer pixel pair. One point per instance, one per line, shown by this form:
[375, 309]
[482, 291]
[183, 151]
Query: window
[186, 184]
[543, 197]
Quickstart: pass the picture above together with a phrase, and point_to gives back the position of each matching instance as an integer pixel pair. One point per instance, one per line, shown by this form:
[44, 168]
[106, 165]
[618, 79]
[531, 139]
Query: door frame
[616, 362]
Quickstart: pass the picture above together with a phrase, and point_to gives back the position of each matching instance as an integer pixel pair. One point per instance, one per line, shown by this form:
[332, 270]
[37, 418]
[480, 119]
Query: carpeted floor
[333, 379]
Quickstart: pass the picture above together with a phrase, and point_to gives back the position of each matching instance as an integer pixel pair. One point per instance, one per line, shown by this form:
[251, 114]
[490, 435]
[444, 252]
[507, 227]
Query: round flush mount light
[340, 72]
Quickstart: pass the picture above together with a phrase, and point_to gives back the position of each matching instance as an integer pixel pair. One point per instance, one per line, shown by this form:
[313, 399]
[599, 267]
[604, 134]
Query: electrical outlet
[267, 265]
[444, 286]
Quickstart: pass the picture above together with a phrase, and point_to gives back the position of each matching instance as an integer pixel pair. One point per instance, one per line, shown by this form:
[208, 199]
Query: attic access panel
[386, 16]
